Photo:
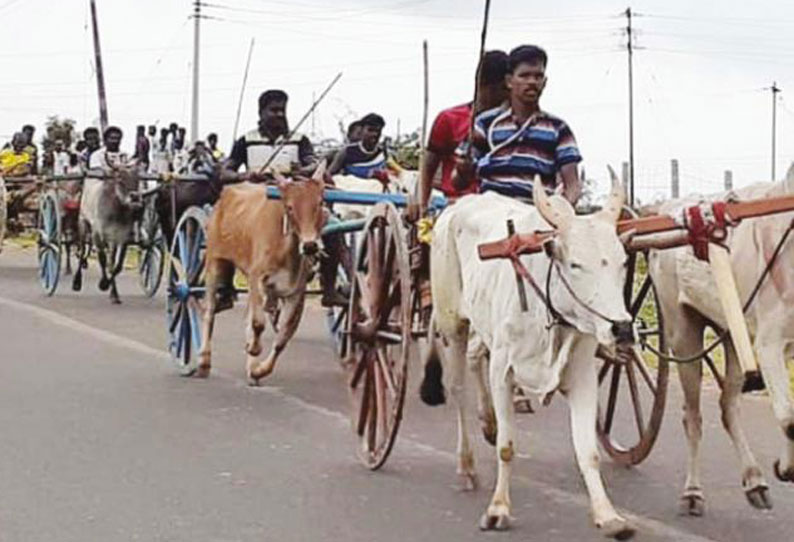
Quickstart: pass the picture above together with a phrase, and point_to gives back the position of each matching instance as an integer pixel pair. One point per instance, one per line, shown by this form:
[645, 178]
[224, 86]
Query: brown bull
[274, 243]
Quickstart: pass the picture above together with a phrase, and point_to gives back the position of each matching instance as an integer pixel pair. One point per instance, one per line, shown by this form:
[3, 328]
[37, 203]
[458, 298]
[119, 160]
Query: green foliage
[405, 149]
[57, 128]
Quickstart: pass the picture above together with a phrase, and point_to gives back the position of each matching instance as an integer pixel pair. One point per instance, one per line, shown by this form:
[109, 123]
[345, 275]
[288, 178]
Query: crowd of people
[155, 152]
[498, 142]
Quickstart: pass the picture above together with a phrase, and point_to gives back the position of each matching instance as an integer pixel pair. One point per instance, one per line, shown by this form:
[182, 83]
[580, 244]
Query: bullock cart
[57, 217]
[628, 433]
[389, 308]
[56, 222]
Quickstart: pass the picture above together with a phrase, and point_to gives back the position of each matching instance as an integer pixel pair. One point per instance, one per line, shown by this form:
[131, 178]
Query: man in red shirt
[452, 126]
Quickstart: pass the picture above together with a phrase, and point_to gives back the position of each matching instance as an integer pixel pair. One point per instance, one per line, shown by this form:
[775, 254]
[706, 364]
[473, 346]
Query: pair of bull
[478, 314]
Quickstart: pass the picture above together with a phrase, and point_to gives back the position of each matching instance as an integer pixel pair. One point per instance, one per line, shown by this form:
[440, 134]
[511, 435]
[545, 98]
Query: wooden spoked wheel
[151, 255]
[633, 386]
[49, 242]
[378, 340]
[185, 288]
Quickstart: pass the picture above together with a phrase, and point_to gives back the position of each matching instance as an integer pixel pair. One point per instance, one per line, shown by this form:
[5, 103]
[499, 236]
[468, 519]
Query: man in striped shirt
[514, 142]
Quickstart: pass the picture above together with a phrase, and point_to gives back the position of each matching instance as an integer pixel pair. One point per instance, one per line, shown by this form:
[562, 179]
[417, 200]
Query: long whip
[300, 122]
[483, 36]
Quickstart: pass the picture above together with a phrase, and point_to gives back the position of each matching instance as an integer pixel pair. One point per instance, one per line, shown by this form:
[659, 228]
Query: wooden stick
[418, 188]
[483, 36]
[732, 306]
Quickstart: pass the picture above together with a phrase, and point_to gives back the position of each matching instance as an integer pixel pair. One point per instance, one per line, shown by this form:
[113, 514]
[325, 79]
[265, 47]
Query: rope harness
[554, 316]
[750, 299]
[705, 223]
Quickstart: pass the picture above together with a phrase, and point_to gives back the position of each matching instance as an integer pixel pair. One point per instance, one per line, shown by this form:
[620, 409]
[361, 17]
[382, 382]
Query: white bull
[401, 181]
[471, 296]
[689, 303]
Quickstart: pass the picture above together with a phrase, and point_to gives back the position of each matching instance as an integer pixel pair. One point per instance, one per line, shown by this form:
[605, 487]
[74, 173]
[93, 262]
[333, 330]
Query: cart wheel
[185, 288]
[378, 340]
[336, 317]
[49, 242]
[151, 255]
[628, 430]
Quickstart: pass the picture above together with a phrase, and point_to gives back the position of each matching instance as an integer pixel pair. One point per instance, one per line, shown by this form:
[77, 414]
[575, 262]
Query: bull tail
[432, 389]
[446, 285]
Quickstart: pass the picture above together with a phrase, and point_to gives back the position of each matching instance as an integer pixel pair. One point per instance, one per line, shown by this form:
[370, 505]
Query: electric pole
[775, 90]
[194, 116]
[630, 47]
[100, 74]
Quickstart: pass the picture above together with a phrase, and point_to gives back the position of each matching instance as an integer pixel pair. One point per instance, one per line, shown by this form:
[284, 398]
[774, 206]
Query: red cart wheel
[627, 428]
[378, 337]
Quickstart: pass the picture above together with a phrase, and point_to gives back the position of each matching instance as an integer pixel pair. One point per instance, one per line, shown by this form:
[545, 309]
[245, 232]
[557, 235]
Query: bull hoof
[759, 497]
[115, 300]
[785, 475]
[253, 382]
[104, 284]
[618, 528]
[500, 522]
[468, 481]
[692, 505]
[77, 282]
[203, 372]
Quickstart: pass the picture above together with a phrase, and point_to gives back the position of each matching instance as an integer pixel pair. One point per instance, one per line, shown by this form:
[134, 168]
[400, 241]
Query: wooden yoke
[664, 231]
[658, 231]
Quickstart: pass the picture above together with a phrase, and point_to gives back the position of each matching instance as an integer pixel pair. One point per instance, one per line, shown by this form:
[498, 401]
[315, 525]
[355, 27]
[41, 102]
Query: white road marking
[645, 524]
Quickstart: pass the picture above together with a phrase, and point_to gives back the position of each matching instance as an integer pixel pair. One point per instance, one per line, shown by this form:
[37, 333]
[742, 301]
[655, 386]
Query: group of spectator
[154, 152]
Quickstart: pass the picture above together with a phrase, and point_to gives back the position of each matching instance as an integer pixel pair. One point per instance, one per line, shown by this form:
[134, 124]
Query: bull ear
[319, 173]
[617, 198]
[558, 213]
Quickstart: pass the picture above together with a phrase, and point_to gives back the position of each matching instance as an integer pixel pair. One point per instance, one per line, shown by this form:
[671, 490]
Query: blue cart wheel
[151, 255]
[335, 317]
[49, 242]
[185, 290]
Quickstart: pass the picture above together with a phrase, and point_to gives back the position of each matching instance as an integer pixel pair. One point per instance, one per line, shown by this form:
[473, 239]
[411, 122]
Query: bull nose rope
[555, 317]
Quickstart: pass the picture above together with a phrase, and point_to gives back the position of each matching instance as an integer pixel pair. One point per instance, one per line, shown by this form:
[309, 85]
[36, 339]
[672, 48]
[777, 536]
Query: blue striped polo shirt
[508, 156]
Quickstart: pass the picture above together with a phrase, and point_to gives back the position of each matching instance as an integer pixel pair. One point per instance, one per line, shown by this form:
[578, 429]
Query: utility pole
[630, 47]
[100, 74]
[775, 90]
[194, 115]
[675, 186]
[728, 179]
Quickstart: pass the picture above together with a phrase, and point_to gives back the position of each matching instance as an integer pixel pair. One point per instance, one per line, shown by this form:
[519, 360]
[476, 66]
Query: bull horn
[789, 179]
[319, 173]
[558, 213]
[617, 198]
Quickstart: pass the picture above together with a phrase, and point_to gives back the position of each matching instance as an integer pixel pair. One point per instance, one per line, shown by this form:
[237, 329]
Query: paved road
[102, 441]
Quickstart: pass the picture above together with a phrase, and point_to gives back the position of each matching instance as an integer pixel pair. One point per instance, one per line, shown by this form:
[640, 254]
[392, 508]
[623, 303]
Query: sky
[702, 71]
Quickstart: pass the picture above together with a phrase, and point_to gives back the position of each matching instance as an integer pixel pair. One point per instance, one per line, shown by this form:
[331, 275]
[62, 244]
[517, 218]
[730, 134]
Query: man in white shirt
[60, 159]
